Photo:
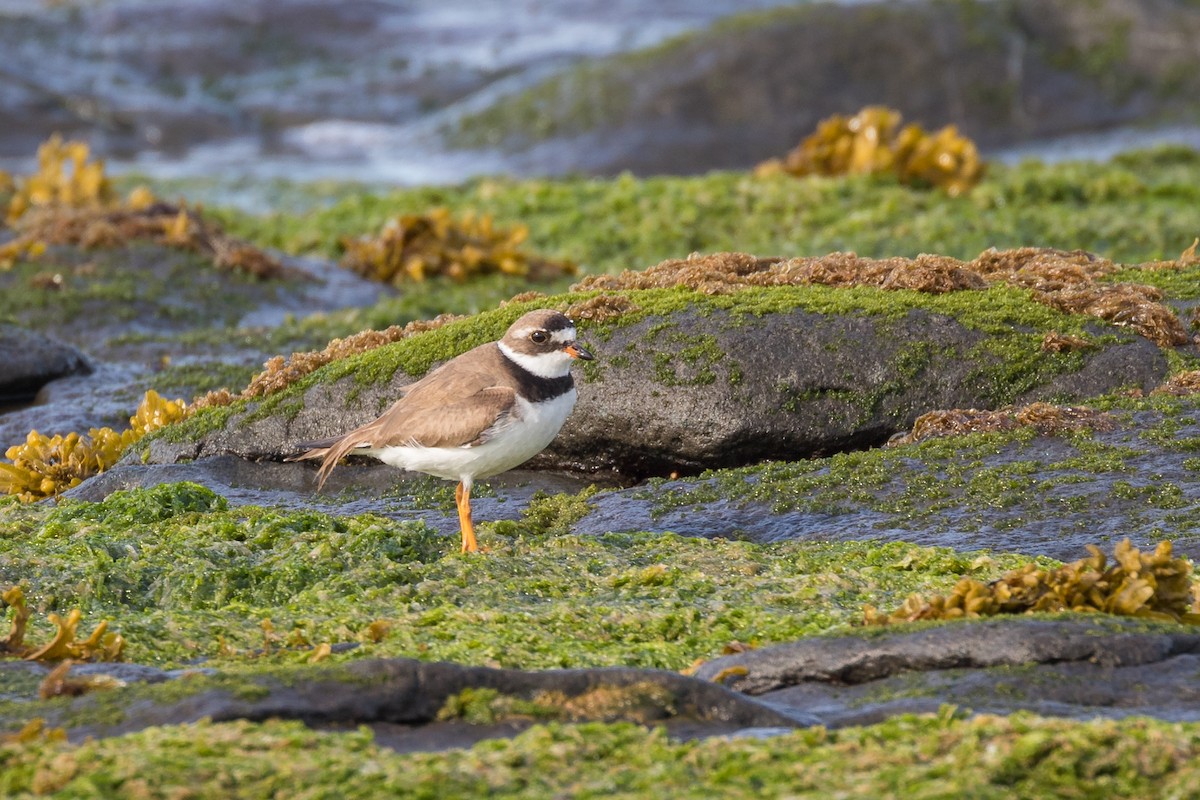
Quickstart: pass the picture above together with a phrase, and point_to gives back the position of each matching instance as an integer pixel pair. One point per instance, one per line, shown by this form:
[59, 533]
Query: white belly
[527, 432]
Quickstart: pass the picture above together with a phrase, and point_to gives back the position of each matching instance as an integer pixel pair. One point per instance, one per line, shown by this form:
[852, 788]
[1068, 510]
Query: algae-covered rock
[1018, 490]
[1074, 667]
[413, 693]
[685, 380]
[708, 389]
[31, 360]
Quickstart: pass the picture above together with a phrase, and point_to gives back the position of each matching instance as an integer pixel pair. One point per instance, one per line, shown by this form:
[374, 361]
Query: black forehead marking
[558, 322]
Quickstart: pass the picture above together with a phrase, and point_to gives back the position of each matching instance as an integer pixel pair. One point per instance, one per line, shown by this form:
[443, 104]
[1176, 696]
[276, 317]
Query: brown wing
[445, 424]
[446, 408]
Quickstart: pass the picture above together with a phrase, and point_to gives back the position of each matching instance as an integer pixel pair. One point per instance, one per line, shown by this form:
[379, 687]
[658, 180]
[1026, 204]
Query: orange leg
[462, 496]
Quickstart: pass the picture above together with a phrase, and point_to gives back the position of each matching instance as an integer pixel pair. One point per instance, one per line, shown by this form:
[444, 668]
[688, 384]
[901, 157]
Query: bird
[482, 413]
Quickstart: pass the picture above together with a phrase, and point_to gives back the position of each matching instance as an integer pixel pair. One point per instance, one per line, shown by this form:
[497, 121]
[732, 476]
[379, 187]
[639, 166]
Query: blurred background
[436, 91]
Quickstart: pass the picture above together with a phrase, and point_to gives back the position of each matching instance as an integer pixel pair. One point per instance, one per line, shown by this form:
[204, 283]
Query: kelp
[101, 645]
[1149, 585]
[413, 247]
[44, 466]
[70, 200]
[59, 682]
[1180, 384]
[66, 176]
[872, 142]
[1046, 418]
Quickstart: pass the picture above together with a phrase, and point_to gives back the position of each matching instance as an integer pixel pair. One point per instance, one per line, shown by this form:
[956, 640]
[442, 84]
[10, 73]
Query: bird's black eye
[539, 337]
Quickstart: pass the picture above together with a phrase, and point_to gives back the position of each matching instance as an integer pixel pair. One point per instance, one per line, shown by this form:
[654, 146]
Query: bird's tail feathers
[332, 455]
[330, 451]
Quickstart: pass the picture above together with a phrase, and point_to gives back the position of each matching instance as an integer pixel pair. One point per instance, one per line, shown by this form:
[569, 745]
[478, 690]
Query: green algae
[640, 701]
[939, 755]
[181, 576]
[618, 223]
[998, 480]
[110, 288]
[1177, 284]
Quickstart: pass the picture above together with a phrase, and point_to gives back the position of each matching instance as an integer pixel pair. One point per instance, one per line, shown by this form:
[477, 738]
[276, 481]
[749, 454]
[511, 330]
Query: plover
[480, 414]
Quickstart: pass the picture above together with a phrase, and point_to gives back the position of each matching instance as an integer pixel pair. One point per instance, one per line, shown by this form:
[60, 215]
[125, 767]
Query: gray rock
[1078, 668]
[410, 693]
[1073, 668]
[1144, 489]
[700, 389]
[32, 360]
[741, 93]
[794, 385]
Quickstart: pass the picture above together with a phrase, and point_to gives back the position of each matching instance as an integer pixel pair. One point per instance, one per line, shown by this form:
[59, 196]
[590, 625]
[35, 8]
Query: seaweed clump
[1045, 418]
[872, 142]
[412, 247]
[1069, 281]
[44, 466]
[279, 372]
[1148, 585]
[1180, 384]
[70, 200]
[101, 645]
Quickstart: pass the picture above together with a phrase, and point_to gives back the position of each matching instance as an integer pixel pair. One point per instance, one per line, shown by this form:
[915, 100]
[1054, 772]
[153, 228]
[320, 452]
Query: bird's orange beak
[576, 350]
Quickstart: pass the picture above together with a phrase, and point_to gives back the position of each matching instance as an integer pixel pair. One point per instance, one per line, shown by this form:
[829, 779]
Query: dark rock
[31, 360]
[794, 385]
[127, 673]
[1075, 668]
[700, 389]
[405, 692]
[1056, 508]
[1079, 668]
[975, 645]
[738, 94]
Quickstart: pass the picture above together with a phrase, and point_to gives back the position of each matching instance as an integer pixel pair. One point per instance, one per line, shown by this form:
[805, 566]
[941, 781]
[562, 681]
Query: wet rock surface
[405, 696]
[1078, 668]
[1053, 495]
[696, 390]
[1074, 668]
[31, 360]
[126, 309]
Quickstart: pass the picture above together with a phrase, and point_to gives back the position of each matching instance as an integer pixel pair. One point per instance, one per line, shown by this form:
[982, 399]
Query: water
[302, 90]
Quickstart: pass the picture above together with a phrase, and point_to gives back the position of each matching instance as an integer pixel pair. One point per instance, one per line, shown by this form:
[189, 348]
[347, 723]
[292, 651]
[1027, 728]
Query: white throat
[556, 364]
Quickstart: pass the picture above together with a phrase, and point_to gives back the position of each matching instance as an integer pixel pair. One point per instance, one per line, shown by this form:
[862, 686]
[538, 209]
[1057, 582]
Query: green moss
[192, 380]
[985, 757]
[487, 707]
[686, 359]
[105, 289]
[625, 223]
[1178, 284]
[181, 576]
